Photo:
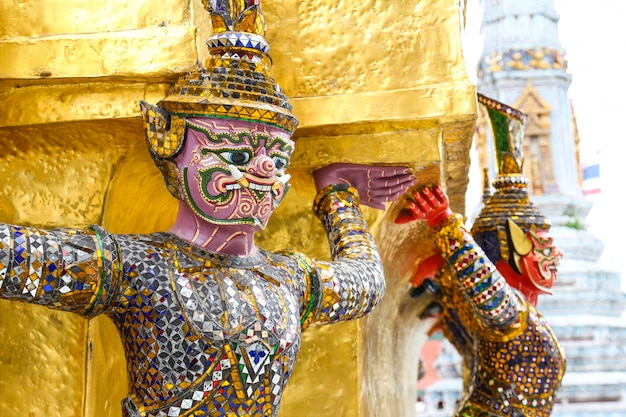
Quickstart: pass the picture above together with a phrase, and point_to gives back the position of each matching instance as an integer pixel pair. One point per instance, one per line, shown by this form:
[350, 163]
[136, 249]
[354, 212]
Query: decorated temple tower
[523, 64]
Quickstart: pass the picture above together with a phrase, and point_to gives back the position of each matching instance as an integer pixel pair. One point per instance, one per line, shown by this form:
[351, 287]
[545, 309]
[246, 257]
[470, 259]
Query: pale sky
[593, 35]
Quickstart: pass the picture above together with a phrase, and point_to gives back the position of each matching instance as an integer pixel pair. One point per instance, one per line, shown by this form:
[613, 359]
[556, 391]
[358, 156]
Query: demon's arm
[495, 304]
[64, 269]
[352, 283]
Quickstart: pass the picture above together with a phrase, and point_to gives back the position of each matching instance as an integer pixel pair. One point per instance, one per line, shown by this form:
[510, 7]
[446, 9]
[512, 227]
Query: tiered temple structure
[524, 65]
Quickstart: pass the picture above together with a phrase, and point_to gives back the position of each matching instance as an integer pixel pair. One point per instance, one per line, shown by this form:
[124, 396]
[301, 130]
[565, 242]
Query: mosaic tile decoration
[515, 362]
[204, 334]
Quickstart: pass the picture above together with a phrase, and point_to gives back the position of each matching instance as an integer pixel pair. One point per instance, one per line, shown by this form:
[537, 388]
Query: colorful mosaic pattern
[491, 299]
[515, 362]
[204, 334]
[337, 206]
[70, 270]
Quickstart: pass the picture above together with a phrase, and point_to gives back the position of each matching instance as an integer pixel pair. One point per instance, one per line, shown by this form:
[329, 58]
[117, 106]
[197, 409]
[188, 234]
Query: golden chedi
[74, 94]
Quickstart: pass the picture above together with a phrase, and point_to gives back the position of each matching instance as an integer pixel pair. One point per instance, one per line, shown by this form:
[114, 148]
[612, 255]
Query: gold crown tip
[236, 16]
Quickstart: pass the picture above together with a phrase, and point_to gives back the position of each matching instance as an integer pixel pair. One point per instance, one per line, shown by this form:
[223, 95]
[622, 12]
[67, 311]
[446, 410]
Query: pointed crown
[235, 82]
[510, 201]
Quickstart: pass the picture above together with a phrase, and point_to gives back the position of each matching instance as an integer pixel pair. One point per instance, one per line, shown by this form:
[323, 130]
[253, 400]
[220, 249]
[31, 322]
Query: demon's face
[232, 172]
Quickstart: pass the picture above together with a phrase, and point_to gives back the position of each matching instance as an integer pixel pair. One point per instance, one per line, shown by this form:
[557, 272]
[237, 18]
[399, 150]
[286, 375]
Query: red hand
[428, 203]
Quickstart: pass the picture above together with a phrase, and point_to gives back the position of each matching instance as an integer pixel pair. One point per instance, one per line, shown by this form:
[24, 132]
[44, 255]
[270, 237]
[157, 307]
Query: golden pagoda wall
[374, 82]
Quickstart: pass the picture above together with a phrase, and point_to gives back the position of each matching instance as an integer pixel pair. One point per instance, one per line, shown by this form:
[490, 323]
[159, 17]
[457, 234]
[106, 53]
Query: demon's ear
[165, 134]
[155, 116]
[165, 138]
[520, 242]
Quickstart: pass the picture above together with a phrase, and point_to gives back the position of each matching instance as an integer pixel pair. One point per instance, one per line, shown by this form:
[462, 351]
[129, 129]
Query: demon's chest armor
[208, 334]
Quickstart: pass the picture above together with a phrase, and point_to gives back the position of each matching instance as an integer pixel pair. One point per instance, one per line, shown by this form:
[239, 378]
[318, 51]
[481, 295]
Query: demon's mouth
[257, 184]
[252, 183]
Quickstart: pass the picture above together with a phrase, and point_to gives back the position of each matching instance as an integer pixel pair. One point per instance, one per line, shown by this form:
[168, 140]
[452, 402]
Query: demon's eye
[547, 251]
[280, 163]
[236, 157]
